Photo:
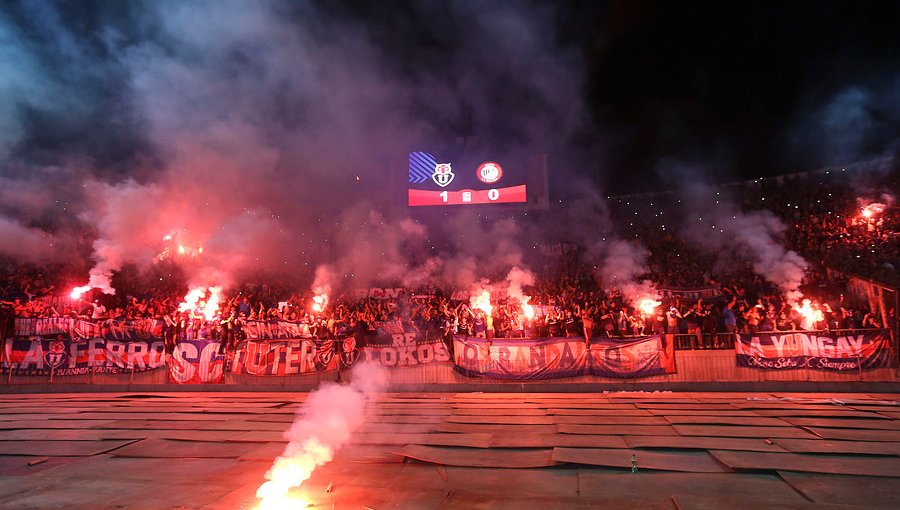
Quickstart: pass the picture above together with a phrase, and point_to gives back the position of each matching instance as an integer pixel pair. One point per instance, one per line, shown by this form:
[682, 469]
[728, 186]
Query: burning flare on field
[325, 423]
[482, 302]
[289, 472]
[648, 305]
[810, 316]
[320, 301]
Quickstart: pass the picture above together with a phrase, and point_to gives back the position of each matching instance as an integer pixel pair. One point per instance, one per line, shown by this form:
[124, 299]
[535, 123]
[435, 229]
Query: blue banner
[548, 358]
[861, 350]
[197, 362]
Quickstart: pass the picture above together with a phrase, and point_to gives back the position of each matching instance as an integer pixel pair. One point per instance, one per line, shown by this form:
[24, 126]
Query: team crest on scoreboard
[442, 175]
[489, 172]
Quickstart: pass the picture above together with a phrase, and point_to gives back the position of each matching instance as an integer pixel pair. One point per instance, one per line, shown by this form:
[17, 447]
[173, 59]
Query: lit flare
[191, 299]
[482, 302]
[810, 316]
[320, 301]
[77, 292]
[872, 210]
[210, 307]
[288, 473]
[648, 305]
[527, 309]
[212, 303]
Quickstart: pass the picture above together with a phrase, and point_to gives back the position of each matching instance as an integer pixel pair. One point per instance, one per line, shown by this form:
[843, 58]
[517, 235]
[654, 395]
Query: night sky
[275, 134]
[748, 89]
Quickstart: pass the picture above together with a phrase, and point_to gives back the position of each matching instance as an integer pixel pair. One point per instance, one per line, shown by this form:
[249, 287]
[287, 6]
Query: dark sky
[750, 88]
[272, 132]
[764, 87]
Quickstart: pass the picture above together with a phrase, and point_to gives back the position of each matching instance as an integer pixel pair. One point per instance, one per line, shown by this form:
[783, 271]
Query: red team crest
[489, 172]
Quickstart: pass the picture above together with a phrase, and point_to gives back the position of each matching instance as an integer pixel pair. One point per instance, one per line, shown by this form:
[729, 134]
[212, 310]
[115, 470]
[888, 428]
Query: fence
[725, 341]
[701, 365]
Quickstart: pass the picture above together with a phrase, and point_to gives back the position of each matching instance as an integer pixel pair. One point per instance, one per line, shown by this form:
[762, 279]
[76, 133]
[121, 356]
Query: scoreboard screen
[465, 180]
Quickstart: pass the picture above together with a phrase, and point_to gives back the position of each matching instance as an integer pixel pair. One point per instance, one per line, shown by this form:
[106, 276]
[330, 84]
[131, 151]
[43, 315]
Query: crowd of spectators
[825, 224]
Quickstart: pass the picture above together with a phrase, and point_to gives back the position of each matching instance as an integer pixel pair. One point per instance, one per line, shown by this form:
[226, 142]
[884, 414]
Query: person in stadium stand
[99, 311]
[587, 322]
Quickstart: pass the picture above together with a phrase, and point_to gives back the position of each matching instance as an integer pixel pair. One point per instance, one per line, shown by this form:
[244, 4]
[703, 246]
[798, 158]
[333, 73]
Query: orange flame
[482, 302]
[320, 301]
[290, 472]
[77, 292]
[872, 209]
[210, 308]
[191, 299]
[527, 309]
[212, 304]
[648, 305]
[810, 315]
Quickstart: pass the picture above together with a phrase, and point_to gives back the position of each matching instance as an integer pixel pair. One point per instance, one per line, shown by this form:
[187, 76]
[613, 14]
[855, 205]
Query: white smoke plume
[623, 263]
[480, 249]
[326, 422]
[518, 278]
[715, 225]
[848, 122]
[30, 244]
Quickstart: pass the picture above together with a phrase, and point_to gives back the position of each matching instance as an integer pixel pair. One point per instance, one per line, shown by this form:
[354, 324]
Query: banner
[406, 349]
[516, 358]
[547, 358]
[392, 332]
[378, 293]
[285, 357]
[111, 329]
[692, 294]
[61, 355]
[275, 329]
[197, 362]
[862, 350]
[642, 358]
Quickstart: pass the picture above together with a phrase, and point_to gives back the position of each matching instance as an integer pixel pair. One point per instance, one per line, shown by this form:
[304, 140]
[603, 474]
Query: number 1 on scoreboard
[444, 195]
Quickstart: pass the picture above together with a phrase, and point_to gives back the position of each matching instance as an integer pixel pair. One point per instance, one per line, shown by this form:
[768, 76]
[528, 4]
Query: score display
[464, 181]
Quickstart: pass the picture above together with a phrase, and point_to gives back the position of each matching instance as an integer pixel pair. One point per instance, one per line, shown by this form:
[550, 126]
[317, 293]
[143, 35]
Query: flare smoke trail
[623, 264]
[517, 279]
[324, 424]
[715, 225]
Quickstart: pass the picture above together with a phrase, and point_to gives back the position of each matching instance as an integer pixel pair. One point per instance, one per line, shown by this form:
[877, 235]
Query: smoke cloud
[519, 278]
[325, 423]
[267, 133]
[714, 224]
[852, 122]
[623, 263]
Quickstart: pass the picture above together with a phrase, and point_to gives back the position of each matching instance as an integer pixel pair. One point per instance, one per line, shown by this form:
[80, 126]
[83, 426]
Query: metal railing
[725, 341]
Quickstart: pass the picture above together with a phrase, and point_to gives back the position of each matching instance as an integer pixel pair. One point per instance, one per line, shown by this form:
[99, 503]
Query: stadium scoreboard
[466, 180]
